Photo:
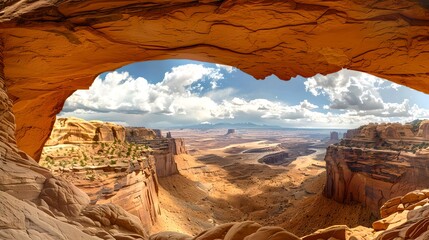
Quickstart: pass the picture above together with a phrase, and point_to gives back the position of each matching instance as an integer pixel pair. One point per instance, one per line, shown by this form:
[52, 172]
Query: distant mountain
[247, 125]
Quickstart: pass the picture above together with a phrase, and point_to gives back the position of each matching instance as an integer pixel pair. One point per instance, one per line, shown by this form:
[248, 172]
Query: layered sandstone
[54, 47]
[36, 205]
[76, 131]
[94, 157]
[132, 185]
[135, 134]
[165, 151]
[377, 162]
[403, 217]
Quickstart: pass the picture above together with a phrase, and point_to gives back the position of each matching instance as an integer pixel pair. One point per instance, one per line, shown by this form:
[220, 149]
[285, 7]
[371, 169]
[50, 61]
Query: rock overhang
[52, 47]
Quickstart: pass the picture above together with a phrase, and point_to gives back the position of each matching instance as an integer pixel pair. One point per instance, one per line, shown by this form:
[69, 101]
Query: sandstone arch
[53, 47]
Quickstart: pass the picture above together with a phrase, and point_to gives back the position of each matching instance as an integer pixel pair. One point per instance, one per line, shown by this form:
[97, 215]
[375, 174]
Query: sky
[180, 93]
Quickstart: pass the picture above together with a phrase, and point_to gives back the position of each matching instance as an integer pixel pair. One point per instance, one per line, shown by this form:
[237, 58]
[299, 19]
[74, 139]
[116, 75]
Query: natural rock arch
[53, 47]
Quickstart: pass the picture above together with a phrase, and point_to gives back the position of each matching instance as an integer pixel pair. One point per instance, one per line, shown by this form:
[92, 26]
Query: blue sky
[176, 93]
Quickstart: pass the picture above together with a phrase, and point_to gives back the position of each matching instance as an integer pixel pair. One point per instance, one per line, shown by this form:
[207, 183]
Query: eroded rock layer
[165, 151]
[77, 131]
[407, 217]
[36, 205]
[53, 47]
[378, 162]
[94, 157]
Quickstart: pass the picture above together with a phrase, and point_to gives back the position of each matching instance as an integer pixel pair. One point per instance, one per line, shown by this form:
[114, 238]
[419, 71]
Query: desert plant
[82, 163]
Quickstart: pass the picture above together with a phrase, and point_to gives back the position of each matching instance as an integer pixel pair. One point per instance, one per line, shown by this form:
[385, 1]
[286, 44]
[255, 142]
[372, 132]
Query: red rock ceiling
[53, 47]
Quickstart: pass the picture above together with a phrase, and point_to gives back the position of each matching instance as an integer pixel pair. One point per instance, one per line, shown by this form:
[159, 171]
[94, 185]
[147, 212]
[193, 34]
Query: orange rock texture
[95, 157]
[377, 162]
[79, 131]
[37, 205]
[53, 47]
[408, 220]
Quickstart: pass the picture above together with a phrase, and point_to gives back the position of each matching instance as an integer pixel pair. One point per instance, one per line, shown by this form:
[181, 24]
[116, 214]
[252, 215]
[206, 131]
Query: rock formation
[36, 205]
[78, 131]
[230, 131]
[165, 151]
[276, 158]
[377, 162]
[94, 157]
[133, 134]
[52, 48]
[333, 136]
[403, 217]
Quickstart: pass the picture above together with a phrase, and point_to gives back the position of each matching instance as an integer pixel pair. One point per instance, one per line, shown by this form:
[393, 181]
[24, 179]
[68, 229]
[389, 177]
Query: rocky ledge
[95, 157]
[377, 162]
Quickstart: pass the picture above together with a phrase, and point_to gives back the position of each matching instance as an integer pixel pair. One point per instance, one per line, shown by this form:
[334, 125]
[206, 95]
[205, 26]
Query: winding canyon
[50, 48]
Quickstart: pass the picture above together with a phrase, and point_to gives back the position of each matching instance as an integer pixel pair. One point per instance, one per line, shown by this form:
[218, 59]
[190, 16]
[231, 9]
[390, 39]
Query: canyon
[95, 157]
[198, 180]
[50, 48]
[377, 162]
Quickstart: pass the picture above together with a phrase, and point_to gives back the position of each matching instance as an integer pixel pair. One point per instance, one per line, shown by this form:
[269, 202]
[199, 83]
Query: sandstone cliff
[75, 131]
[36, 205]
[135, 134]
[94, 157]
[377, 162]
[54, 47]
[165, 151]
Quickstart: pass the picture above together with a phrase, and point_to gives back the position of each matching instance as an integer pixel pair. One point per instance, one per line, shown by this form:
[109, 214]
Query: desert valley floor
[221, 181]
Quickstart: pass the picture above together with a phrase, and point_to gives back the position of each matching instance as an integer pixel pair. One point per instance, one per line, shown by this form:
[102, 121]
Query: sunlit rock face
[407, 218]
[377, 162]
[36, 205]
[79, 131]
[95, 157]
[52, 48]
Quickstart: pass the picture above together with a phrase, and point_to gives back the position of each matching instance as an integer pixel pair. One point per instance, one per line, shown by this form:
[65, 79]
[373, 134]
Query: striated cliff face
[135, 134]
[133, 186]
[165, 152]
[94, 157]
[377, 162]
[36, 205]
[75, 131]
[52, 47]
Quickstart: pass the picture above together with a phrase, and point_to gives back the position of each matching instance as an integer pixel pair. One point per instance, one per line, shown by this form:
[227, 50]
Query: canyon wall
[36, 205]
[112, 163]
[52, 47]
[75, 131]
[165, 151]
[134, 187]
[377, 162]
[135, 134]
